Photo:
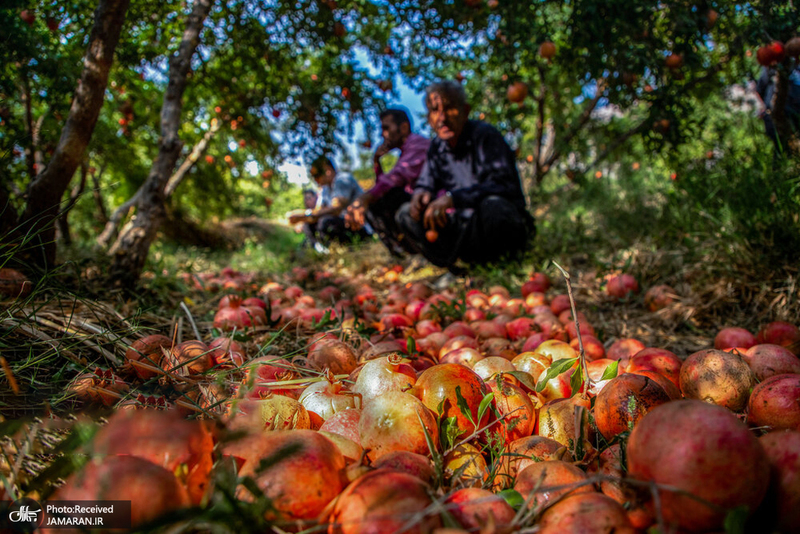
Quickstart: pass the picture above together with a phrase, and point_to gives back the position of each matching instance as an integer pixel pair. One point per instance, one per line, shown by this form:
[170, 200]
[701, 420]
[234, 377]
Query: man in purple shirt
[468, 203]
[392, 189]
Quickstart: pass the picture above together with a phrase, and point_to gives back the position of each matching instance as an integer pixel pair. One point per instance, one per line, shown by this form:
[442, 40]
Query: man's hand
[436, 213]
[355, 217]
[419, 202]
[381, 151]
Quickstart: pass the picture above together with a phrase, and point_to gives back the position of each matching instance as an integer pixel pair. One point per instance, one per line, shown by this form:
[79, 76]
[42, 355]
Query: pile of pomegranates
[415, 411]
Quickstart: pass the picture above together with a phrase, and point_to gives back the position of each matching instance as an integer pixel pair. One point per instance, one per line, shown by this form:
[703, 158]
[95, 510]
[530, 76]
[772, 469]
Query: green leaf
[411, 344]
[484, 405]
[576, 381]
[463, 406]
[611, 371]
[513, 498]
[736, 519]
[559, 367]
[524, 378]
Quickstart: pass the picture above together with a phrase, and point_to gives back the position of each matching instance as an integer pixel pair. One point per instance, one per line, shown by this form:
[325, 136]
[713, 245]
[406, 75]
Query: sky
[407, 98]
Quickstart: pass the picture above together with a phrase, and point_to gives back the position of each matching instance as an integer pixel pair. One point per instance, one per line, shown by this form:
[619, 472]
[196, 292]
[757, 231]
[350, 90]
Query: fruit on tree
[27, 16]
[674, 61]
[517, 92]
[547, 50]
[702, 450]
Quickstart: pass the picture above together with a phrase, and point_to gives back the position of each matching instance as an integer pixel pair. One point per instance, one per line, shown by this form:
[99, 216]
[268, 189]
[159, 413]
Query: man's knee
[403, 217]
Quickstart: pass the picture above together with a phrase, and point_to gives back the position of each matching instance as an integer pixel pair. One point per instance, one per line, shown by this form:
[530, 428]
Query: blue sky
[406, 98]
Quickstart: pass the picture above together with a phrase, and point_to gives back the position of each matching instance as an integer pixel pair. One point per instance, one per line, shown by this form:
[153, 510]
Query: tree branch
[197, 151]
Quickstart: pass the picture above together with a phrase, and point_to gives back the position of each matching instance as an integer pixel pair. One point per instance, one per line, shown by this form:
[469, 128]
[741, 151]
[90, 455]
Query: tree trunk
[63, 218]
[102, 213]
[131, 247]
[47, 189]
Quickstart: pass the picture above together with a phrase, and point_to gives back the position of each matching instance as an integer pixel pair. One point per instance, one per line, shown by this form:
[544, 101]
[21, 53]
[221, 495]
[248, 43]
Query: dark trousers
[496, 228]
[331, 229]
[381, 215]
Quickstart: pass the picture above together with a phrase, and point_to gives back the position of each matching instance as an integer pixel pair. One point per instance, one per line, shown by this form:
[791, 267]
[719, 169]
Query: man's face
[323, 176]
[391, 132]
[309, 200]
[446, 118]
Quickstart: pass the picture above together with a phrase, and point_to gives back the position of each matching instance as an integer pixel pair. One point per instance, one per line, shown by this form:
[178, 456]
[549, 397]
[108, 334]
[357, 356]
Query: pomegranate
[465, 466]
[623, 350]
[734, 337]
[164, 438]
[659, 297]
[537, 283]
[333, 354]
[542, 483]
[383, 501]
[516, 408]
[557, 421]
[531, 450]
[272, 412]
[769, 360]
[783, 499]
[517, 92]
[407, 462]
[717, 377]
[611, 465]
[395, 421]
[775, 403]
[547, 50]
[237, 316]
[658, 360]
[592, 347]
[14, 284]
[304, 475]
[586, 513]
[151, 489]
[622, 286]
[781, 333]
[440, 386]
[703, 450]
[475, 507]
[148, 351]
[190, 357]
[344, 423]
[327, 398]
[388, 373]
[624, 402]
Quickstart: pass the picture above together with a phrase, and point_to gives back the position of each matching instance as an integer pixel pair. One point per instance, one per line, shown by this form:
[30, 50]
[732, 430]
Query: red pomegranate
[703, 450]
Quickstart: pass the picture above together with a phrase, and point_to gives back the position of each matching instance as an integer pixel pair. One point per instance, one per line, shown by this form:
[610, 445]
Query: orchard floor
[74, 327]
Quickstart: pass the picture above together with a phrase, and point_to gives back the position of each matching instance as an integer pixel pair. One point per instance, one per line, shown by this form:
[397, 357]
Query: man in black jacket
[468, 202]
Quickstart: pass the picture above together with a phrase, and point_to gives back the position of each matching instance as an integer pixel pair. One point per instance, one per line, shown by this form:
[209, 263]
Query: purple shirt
[406, 170]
